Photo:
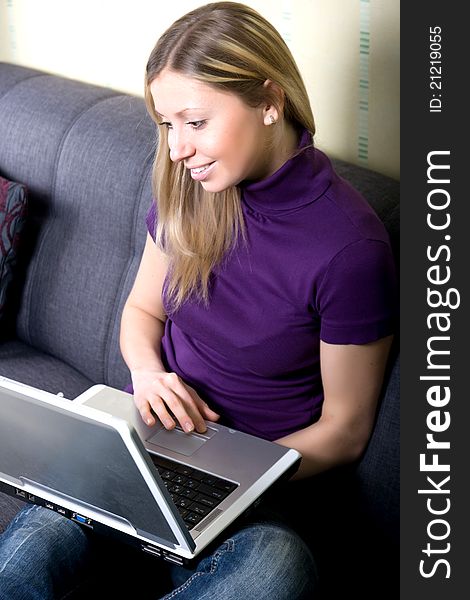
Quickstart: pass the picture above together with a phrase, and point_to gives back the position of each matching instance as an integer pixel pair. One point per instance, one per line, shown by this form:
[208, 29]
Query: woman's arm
[143, 318]
[142, 328]
[352, 378]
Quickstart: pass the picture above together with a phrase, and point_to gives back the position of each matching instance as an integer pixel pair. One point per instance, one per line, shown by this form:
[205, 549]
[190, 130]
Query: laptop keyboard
[194, 492]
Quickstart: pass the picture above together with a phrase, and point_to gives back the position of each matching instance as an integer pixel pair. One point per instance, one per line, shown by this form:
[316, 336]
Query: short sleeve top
[316, 264]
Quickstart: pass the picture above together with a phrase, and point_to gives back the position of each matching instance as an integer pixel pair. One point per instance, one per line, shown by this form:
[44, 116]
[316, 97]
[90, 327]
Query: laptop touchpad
[178, 441]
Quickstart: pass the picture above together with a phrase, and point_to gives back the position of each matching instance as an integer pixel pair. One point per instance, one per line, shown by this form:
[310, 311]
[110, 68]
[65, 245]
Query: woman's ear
[274, 104]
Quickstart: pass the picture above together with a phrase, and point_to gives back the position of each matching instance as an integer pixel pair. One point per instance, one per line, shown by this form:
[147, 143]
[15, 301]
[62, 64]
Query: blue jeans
[44, 556]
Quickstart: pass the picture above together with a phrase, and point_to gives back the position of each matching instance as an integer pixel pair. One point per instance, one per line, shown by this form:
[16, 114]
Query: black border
[422, 132]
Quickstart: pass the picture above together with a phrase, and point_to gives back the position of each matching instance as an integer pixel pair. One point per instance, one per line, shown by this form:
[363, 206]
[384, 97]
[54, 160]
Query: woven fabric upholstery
[85, 154]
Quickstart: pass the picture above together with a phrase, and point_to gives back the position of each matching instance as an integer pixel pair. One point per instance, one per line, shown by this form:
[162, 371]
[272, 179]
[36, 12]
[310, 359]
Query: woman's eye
[197, 124]
[166, 124]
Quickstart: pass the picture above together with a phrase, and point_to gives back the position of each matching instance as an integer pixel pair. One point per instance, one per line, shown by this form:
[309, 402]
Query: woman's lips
[200, 173]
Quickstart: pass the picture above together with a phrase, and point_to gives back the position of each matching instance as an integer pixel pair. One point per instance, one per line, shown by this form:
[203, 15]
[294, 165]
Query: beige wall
[347, 50]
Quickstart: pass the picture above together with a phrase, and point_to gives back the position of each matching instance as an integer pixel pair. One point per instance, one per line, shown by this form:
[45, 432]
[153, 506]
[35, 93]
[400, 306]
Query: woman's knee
[262, 561]
[35, 525]
[281, 560]
[40, 544]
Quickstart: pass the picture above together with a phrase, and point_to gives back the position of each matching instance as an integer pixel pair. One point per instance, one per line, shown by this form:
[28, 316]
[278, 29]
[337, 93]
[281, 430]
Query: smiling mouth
[200, 173]
[198, 170]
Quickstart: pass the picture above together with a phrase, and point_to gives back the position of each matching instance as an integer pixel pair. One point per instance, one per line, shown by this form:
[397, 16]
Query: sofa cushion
[24, 363]
[89, 190]
[378, 474]
[12, 216]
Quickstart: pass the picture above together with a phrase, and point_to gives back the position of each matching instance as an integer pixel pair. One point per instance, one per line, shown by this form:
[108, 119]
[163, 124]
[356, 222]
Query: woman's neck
[285, 143]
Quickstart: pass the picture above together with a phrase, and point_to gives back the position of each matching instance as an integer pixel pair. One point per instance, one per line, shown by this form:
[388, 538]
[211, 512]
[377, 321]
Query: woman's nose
[180, 146]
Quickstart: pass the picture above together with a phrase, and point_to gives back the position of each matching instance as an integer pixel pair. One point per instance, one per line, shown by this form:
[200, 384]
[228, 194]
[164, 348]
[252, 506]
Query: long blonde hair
[232, 48]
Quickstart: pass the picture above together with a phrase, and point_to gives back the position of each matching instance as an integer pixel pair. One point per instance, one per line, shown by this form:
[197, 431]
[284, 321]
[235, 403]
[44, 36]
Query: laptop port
[82, 520]
[49, 505]
[20, 493]
[153, 550]
[177, 560]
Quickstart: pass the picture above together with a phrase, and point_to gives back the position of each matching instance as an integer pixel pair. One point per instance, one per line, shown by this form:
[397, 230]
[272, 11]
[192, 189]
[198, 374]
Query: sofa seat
[25, 363]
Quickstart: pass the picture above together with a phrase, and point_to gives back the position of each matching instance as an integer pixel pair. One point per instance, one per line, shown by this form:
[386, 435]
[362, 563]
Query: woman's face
[220, 139]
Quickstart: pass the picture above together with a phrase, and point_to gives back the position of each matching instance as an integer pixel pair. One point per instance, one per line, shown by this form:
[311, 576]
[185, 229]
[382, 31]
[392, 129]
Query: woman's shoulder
[345, 209]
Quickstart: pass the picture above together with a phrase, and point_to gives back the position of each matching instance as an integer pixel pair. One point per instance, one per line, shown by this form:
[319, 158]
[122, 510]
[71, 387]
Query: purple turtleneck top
[316, 265]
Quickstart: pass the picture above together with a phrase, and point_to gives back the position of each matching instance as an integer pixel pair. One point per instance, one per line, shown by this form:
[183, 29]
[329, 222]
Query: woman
[266, 292]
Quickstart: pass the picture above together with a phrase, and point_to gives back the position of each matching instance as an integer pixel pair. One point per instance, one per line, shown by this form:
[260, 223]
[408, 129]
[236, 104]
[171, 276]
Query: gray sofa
[85, 154]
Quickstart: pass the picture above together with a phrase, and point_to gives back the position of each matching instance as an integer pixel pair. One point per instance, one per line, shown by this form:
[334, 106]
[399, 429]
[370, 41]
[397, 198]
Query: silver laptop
[94, 460]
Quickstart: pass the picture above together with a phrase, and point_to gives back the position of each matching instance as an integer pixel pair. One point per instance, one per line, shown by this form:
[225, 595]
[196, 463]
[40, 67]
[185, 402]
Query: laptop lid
[87, 460]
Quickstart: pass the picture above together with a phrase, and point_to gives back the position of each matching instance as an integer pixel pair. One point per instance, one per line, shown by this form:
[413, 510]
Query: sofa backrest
[85, 154]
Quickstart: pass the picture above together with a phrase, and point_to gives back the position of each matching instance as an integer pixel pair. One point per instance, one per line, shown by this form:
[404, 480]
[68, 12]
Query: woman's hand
[163, 392]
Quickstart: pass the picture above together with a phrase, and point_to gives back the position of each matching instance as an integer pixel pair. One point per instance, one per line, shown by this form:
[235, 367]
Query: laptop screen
[77, 457]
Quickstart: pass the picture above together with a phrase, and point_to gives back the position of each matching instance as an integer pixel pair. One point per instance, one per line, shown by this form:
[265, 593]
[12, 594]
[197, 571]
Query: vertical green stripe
[11, 30]
[286, 16]
[363, 83]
